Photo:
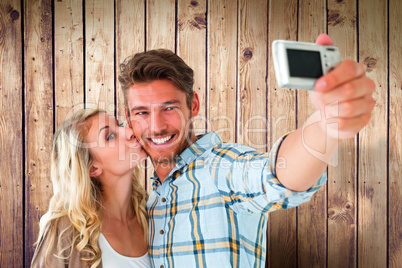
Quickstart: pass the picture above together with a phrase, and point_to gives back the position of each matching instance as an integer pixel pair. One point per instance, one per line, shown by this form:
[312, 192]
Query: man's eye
[110, 136]
[141, 113]
[171, 108]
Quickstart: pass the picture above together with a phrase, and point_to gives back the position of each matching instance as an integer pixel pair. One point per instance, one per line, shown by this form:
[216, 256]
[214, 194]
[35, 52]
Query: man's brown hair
[153, 65]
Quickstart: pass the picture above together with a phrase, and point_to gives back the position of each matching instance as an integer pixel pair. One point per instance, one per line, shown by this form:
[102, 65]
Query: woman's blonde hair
[77, 195]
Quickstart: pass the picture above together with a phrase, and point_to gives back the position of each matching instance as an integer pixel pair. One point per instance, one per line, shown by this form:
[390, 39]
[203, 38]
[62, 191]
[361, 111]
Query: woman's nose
[129, 134]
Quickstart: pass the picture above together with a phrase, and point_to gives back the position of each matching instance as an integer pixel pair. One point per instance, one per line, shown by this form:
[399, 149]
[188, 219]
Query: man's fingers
[350, 109]
[346, 71]
[354, 124]
[354, 89]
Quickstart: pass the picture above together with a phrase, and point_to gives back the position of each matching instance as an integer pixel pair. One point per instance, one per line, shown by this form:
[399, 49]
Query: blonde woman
[97, 215]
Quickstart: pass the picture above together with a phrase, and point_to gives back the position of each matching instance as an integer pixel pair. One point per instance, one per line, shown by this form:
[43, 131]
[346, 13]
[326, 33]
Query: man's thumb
[324, 40]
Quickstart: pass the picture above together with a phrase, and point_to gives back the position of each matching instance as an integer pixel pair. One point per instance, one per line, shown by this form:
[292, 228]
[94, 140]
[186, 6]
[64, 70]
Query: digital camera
[299, 64]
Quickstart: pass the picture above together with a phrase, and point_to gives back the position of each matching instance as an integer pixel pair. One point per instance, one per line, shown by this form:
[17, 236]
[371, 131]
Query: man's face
[161, 118]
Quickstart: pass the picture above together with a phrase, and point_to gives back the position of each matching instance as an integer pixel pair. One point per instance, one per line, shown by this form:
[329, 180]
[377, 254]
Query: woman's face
[115, 150]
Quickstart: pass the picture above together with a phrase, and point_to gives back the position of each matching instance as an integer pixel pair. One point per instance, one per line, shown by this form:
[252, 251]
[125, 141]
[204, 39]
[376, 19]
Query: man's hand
[344, 96]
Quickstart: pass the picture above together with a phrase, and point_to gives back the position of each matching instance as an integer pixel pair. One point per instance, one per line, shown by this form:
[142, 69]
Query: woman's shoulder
[56, 239]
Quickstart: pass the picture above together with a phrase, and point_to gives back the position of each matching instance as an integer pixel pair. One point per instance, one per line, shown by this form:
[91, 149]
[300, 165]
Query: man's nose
[158, 123]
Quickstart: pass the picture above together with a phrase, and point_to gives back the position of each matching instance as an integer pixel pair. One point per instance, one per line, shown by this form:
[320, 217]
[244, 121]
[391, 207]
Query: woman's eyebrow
[105, 127]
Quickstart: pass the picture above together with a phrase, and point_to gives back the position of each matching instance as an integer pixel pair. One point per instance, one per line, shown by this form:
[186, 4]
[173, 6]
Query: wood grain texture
[11, 144]
[191, 47]
[130, 39]
[252, 123]
[161, 24]
[99, 56]
[69, 58]
[221, 99]
[372, 213]
[38, 115]
[282, 235]
[342, 194]
[395, 135]
[312, 216]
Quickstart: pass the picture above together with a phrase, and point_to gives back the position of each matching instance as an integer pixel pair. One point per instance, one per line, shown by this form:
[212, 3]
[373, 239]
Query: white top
[111, 259]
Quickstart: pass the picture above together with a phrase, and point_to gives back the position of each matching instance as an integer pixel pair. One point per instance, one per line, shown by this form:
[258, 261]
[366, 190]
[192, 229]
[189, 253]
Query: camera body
[300, 64]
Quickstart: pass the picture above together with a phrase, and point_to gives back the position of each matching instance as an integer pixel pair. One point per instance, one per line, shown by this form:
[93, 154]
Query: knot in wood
[248, 54]
[370, 63]
[15, 15]
[199, 22]
[334, 18]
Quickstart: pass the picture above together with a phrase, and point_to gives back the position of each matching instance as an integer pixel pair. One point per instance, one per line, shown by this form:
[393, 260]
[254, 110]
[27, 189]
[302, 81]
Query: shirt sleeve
[254, 188]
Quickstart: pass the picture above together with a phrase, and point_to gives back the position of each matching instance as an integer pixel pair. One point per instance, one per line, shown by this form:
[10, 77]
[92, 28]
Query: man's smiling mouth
[163, 140]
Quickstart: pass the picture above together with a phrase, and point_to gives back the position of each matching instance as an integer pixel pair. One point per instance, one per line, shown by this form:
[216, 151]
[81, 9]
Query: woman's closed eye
[110, 136]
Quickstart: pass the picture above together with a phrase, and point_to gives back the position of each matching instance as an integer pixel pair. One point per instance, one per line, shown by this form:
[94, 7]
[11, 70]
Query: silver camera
[299, 65]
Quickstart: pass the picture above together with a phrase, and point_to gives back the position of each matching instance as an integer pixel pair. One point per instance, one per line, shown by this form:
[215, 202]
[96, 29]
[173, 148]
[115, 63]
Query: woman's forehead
[99, 122]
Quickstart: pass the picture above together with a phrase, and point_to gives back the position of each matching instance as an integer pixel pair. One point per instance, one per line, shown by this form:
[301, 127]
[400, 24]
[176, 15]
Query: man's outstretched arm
[344, 102]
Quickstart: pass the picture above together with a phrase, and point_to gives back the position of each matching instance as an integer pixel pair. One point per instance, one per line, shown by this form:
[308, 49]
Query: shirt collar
[204, 142]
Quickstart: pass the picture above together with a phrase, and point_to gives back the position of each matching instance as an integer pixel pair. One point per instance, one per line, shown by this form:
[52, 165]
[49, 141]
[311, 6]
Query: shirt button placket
[162, 231]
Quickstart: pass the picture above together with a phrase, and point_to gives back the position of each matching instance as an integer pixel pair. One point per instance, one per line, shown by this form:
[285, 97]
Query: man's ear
[195, 105]
[95, 171]
[127, 117]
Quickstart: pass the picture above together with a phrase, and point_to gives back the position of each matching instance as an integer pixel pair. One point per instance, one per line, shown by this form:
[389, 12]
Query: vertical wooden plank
[312, 216]
[191, 47]
[99, 39]
[372, 230]
[69, 58]
[252, 123]
[161, 24]
[282, 236]
[130, 39]
[221, 99]
[342, 203]
[161, 31]
[395, 135]
[11, 165]
[38, 115]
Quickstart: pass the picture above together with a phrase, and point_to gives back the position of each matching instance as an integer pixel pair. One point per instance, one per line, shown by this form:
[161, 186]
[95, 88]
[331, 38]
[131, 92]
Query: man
[209, 200]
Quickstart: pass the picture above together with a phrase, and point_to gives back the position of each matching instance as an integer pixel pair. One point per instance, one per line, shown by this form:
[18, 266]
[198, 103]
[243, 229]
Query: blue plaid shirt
[211, 210]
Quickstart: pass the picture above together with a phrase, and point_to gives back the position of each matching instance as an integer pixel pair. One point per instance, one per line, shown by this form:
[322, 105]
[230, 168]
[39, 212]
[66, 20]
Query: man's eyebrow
[167, 103]
[136, 108]
[164, 104]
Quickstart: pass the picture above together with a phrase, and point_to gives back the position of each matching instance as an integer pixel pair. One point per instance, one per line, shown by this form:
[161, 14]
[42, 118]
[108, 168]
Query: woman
[97, 215]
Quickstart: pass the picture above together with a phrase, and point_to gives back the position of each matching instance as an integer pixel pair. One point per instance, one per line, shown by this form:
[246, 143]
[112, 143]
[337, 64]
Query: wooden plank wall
[58, 56]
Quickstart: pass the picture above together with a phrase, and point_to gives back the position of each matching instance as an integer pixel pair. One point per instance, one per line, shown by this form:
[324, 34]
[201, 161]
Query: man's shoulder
[233, 149]
[224, 150]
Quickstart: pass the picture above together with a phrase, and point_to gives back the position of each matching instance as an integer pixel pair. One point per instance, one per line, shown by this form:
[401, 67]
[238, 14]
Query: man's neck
[163, 169]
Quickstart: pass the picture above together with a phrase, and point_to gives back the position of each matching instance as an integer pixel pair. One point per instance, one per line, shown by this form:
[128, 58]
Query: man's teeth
[161, 140]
